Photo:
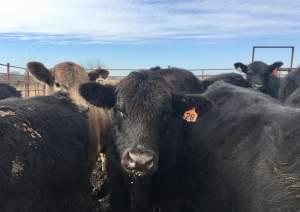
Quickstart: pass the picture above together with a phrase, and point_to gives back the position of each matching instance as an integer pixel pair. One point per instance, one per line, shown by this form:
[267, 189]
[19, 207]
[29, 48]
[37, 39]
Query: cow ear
[193, 105]
[241, 67]
[93, 75]
[98, 95]
[273, 69]
[40, 72]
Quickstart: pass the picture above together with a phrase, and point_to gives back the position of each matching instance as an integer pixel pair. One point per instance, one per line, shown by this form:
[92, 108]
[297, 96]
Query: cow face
[145, 111]
[64, 77]
[258, 73]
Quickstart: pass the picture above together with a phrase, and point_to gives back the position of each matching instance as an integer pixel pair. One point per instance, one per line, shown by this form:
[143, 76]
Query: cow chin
[139, 173]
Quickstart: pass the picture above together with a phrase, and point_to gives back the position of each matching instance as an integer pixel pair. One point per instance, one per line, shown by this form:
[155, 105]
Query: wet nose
[139, 161]
[257, 86]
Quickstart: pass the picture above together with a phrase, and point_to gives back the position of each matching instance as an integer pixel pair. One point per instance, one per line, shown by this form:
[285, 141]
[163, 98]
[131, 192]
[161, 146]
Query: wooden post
[27, 84]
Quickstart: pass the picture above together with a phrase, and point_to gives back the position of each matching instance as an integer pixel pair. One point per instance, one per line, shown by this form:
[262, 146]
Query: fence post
[44, 89]
[292, 58]
[253, 53]
[8, 73]
[27, 83]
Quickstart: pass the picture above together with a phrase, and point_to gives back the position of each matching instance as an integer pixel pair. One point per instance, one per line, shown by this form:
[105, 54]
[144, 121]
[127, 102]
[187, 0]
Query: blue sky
[144, 33]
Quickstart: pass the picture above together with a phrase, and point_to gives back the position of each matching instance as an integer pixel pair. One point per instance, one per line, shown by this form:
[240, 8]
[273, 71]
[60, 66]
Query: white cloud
[146, 20]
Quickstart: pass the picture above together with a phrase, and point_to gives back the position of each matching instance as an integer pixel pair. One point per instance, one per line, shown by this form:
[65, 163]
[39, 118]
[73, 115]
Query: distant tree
[94, 65]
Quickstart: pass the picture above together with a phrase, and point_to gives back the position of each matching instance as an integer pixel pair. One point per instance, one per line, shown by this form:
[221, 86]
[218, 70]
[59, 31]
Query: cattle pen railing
[20, 78]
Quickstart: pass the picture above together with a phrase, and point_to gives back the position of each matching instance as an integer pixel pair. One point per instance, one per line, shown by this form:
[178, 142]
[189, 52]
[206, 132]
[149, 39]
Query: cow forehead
[69, 74]
[144, 96]
[258, 67]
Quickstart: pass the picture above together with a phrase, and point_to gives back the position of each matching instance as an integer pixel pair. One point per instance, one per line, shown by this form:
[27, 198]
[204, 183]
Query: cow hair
[139, 98]
[7, 91]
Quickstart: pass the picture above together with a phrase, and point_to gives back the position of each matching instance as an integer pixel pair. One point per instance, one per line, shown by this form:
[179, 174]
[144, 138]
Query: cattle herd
[172, 142]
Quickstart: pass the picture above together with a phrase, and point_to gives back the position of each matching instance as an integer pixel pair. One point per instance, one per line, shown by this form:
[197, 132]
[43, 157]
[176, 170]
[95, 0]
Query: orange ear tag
[190, 115]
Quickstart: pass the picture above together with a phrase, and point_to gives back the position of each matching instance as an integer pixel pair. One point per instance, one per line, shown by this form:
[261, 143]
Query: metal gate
[277, 47]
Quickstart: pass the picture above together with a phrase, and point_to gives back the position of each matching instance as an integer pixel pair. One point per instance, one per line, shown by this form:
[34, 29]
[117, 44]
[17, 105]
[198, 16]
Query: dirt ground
[100, 197]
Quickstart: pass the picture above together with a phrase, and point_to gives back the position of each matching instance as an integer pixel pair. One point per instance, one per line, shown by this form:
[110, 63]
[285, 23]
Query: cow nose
[257, 86]
[139, 161]
[142, 159]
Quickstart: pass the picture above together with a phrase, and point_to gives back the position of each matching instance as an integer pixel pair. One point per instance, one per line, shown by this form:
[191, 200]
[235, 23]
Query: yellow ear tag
[190, 115]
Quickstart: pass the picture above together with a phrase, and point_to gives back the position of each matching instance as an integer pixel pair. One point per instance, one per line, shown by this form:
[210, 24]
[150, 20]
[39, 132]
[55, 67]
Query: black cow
[232, 78]
[289, 84]
[43, 155]
[261, 76]
[179, 79]
[144, 154]
[246, 153]
[293, 100]
[7, 91]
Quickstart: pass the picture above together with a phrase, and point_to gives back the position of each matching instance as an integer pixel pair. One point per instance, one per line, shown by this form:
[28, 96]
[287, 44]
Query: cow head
[258, 73]
[99, 72]
[145, 113]
[64, 77]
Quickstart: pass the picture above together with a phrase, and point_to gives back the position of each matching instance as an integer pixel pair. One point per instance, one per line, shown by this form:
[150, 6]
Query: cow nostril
[131, 164]
[150, 164]
[130, 161]
[139, 162]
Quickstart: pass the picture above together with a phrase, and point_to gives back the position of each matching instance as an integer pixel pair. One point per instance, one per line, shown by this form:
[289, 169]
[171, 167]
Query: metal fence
[21, 79]
[292, 48]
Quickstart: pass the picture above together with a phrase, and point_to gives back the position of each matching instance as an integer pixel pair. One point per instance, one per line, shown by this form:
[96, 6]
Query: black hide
[246, 154]
[43, 156]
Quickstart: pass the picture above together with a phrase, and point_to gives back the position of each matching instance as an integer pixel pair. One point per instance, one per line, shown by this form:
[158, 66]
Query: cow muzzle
[139, 162]
[257, 86]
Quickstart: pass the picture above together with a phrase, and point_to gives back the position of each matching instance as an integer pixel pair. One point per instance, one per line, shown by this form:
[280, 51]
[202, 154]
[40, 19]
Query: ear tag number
[190, 115]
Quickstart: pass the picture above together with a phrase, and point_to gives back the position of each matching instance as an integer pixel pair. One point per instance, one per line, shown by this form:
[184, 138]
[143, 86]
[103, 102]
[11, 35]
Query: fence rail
[20, 78]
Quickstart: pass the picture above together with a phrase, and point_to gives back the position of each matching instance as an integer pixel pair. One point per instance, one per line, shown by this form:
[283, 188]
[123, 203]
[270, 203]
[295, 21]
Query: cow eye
[57, 84]
[120, 112]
